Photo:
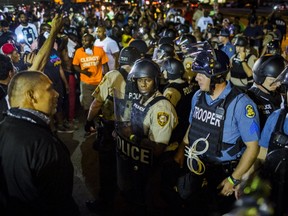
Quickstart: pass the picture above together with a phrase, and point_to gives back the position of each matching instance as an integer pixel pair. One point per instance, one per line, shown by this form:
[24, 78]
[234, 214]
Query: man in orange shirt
[91, 62]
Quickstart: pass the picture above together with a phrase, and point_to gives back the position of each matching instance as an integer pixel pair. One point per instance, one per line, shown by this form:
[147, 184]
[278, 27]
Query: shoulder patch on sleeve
[250, 113]
[168, 96]
[162, 118]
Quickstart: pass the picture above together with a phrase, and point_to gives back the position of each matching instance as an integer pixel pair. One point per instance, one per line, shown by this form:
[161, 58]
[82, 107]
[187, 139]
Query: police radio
[220, 113]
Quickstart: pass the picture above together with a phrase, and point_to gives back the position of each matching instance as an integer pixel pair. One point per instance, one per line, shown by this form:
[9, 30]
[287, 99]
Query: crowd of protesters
[121, 25]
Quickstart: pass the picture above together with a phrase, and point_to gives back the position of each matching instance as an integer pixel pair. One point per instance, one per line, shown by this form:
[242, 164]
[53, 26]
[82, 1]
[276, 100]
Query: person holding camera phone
[26, 32]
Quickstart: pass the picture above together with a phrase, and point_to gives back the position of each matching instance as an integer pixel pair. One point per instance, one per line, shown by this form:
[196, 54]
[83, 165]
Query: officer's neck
[146, 97]
[219, 88]
[263, 89]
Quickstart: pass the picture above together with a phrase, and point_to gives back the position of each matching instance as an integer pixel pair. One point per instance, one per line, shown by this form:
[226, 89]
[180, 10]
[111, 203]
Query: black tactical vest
[266, 103]
[183, 108]
[209, 120]
[138, 114]
[278, 138]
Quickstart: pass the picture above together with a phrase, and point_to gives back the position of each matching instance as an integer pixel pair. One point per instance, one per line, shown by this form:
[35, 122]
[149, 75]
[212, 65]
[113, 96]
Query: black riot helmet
[140, 45]
[267, 66]
[128, 55]
[212, 63]
[169, 33]
[283, 77]
[183, 29]
[165, 40]
[165, 50]
[241, 41]
[145, 68]
[186, 39]
[174, 68]
[273, 46]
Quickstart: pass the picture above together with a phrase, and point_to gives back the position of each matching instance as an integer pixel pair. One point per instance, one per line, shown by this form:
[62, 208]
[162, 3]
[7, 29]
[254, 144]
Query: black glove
[88, 125]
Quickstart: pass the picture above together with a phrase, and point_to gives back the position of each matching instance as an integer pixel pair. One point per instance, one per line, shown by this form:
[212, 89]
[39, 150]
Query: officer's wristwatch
[234, 181]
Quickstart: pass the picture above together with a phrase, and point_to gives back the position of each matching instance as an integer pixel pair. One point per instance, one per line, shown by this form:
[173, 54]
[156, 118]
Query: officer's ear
[30, 96]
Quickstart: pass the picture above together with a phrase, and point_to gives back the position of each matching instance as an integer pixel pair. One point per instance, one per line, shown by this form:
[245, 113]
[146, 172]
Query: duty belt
[226, 166]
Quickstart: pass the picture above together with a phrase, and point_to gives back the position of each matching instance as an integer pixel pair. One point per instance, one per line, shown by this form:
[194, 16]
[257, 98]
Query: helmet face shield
[144, 68]
[214, 64]
[171, 33]
[282, 79]
[160, 54]
[173, 68]
[184, 40]
[208, 61]
[193, 49]
[203, 63]
[267, 66]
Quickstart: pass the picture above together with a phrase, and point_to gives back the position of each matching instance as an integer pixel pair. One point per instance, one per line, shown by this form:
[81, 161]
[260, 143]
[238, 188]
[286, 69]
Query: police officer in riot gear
[105, 143]
[186, 39]
[160, 53]
[221, 140]
[179, 92]
[145, 74]
[265, 95]
[164, 51]
[140, 45]
[169, 32]
[183, 29]
[274, 152]
[182, 43]
[142, 141]
[165, 40]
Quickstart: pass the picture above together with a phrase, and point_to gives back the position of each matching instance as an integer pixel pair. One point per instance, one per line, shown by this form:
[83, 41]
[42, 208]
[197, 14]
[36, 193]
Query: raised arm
[42, 56]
